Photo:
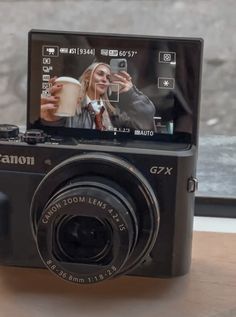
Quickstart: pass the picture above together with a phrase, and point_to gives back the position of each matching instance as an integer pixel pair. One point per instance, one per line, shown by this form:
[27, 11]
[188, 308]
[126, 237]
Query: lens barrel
[94, 217]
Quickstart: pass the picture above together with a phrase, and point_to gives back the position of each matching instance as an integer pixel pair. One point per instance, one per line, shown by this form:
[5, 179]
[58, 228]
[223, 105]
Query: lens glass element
[83, 239]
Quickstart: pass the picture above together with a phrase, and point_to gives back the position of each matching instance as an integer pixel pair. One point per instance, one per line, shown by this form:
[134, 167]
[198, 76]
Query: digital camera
[103, 192]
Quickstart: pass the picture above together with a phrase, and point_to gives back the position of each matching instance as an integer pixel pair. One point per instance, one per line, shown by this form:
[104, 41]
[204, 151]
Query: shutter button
[34, 136]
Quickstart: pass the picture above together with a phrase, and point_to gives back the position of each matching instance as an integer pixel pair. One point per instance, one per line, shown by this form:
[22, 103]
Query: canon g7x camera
[102, 182]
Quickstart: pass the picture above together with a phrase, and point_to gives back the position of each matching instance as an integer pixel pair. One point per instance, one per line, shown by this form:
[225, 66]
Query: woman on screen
[131, 109]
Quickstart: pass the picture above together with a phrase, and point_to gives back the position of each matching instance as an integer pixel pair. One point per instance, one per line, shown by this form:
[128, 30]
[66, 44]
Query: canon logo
[17, 160]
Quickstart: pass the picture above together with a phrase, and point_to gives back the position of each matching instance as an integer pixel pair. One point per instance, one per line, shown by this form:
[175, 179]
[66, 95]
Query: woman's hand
[124, 80]
[49, 105]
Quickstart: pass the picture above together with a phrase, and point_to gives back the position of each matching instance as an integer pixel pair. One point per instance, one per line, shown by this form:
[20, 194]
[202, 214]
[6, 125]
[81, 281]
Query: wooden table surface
[209, 290]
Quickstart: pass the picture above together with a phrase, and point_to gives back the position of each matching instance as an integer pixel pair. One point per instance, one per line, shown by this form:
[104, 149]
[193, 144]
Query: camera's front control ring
[90, 205]
[124, 177]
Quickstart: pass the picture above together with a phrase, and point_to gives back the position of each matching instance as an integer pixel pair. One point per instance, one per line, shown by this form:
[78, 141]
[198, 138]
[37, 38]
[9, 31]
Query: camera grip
[4, 225]
[4, 215]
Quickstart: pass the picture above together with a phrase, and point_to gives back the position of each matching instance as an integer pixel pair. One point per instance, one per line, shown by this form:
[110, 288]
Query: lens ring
[77, 202]
[119, 171]
[109, 187]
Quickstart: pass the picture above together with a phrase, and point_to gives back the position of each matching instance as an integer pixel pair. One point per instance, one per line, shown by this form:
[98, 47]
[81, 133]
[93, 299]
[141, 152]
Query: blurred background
[213, 20]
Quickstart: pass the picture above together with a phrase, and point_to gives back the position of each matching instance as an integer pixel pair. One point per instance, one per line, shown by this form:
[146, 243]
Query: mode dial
[8, 131]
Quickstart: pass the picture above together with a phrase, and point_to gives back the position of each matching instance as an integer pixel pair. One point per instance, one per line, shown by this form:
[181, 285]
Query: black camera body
[92, 202]
[167, 173]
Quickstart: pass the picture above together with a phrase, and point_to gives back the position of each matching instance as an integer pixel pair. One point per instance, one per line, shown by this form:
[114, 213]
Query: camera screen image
[114, 86]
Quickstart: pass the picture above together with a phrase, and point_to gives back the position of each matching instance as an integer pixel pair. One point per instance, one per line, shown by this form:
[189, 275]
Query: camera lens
[94, 217]
[98, 244]
[83, 239]
[122, 64]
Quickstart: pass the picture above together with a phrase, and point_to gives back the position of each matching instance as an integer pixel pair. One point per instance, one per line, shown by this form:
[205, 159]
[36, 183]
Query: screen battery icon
[64, 50]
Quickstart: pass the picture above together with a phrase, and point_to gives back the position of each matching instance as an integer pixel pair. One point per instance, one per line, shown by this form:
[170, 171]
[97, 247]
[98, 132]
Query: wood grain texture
[209, 290]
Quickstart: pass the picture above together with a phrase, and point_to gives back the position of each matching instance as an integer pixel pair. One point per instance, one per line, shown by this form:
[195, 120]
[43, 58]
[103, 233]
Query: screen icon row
[54, 51]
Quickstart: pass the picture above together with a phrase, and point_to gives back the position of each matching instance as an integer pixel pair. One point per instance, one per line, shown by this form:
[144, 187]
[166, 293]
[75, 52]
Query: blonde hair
[86, 81]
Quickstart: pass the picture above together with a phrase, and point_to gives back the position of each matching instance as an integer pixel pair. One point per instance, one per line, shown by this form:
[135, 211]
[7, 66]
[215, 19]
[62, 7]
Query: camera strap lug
[192, 185]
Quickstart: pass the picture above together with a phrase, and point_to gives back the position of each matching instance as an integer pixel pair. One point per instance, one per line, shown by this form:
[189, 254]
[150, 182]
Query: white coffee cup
[69, 95]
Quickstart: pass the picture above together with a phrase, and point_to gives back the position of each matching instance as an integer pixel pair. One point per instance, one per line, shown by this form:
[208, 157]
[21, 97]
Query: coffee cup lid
[68, 80]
